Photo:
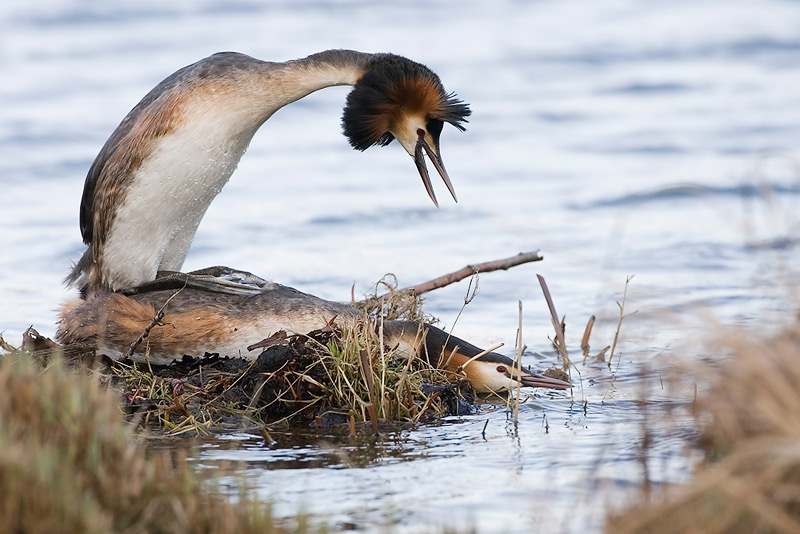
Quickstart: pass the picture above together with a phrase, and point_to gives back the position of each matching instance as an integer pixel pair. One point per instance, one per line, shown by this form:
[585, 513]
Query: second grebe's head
[400, 99]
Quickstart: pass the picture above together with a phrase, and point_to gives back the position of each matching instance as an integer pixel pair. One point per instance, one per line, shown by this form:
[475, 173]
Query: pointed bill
[436, 159]
[419, 159]
[422, 147]
[538, 381]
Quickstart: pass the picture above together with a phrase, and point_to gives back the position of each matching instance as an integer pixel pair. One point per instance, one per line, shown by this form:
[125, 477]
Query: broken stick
[469, 270]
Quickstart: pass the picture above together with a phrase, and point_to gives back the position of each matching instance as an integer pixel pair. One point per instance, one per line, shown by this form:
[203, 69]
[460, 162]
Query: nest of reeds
[328, 377]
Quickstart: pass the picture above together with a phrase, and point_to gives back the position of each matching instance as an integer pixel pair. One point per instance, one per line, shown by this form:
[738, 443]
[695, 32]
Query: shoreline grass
[750, 421]
[69, 463]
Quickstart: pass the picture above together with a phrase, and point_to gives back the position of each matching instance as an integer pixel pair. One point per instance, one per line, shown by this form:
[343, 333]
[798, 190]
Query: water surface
[616, 137]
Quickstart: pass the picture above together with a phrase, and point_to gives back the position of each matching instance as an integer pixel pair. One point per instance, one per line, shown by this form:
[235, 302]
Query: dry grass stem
[477, 356]
[370, 381]
[6, 347]
[472, 270]
[557, 325]
[518, 363]
[585, 339]
[622, 316]
[157, 320]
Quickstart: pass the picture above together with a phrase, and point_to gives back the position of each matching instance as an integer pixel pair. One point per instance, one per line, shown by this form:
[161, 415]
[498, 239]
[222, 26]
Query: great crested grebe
[152, 182]
[155, 177]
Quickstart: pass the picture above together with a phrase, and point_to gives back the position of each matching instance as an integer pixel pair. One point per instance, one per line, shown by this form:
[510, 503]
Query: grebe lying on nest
[153, 181]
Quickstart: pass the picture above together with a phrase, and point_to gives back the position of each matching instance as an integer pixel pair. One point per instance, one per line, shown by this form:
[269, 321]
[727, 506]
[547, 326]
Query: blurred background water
[616, 137]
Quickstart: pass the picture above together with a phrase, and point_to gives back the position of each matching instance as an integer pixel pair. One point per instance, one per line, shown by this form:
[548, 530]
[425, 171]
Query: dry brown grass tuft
[751, 434]
[68, 463]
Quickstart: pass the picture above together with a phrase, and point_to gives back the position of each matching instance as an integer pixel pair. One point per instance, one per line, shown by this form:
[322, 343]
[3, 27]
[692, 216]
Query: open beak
[422, 148]
[534, 380]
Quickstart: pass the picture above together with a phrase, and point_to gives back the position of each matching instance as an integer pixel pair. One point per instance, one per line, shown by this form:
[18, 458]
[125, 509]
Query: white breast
[170, 192]
[154, 224]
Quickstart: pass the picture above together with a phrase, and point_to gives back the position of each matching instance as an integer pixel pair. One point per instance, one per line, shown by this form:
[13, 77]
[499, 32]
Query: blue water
[617, 138]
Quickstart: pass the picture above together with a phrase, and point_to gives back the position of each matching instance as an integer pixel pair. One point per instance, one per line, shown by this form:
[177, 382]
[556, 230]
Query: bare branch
[469, 270]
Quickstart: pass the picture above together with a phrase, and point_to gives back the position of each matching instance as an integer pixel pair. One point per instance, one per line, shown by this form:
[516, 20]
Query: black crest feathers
[394, 87]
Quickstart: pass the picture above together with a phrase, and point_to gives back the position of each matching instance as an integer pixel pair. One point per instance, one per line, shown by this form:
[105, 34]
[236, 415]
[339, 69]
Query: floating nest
[326, 378]
[343, 377]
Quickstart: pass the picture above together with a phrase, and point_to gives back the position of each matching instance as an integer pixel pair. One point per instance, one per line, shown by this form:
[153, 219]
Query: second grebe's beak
[492, 373]
[423, 147]
[535, 380]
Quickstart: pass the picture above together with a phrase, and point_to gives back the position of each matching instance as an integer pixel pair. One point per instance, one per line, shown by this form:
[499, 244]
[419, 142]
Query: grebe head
[401, 99]
[488, 372]
[494, 373]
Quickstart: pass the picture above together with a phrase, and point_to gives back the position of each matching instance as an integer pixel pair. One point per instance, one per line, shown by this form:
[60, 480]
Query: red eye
[501, 369]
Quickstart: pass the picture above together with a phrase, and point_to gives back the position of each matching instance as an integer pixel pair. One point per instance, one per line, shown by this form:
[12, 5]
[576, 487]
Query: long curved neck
[301, 77]
[153, 181]
[258, 89]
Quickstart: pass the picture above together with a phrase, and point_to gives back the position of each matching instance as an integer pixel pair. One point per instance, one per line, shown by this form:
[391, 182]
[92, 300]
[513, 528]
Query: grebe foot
[232, 275]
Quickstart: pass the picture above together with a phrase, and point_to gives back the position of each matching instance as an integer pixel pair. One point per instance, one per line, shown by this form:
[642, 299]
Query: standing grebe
[154, 179]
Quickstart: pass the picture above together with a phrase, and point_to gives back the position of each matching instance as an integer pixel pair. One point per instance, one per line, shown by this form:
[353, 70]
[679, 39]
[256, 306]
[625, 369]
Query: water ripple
[690, 191]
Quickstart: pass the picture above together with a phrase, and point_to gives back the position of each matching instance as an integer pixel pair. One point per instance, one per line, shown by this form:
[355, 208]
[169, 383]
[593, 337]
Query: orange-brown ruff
[148, 189]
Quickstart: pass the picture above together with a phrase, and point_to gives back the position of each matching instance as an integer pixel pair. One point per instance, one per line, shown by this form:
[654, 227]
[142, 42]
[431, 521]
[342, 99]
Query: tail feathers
[80, 274]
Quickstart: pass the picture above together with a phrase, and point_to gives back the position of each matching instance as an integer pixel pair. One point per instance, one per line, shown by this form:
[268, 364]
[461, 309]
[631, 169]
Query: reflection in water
[309, 449]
